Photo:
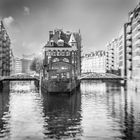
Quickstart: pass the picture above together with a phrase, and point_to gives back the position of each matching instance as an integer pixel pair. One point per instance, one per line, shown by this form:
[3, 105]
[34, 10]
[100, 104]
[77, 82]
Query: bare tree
[36, 64]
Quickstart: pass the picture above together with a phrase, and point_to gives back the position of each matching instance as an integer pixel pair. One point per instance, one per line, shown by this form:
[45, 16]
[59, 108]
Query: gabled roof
[72, 39]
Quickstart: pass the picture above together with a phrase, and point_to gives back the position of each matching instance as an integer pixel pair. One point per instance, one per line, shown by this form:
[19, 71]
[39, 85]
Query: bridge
[19, 77]
[100, 76]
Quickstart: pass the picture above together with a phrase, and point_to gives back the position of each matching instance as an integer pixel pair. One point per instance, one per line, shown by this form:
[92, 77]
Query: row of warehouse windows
[59, 53]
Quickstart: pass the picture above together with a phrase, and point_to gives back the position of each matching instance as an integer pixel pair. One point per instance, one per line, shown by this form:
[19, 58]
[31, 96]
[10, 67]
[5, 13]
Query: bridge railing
[100, 76]
[19, 78]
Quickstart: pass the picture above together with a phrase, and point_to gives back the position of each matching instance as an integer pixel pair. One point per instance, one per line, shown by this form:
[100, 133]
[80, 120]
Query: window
[72, 53]
[55, 53]
[58, 53]
[63, 53]
[51, 43]
[49, 53]
[55, 60]
[66, 60]
[52, 53]
[67, 53]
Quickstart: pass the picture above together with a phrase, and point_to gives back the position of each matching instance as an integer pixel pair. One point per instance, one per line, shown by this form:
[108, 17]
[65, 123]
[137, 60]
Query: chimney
[50, 35]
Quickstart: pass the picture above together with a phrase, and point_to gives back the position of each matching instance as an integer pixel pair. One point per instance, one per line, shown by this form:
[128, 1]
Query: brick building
[4, 51]
[63, 47]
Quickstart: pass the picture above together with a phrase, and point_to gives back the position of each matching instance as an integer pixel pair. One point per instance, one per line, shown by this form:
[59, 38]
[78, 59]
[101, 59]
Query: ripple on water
[98, 111]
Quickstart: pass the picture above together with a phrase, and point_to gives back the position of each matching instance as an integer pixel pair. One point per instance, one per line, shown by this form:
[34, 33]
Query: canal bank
[5, 85]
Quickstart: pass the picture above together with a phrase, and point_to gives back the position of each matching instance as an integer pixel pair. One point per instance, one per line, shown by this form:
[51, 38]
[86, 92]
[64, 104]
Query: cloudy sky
[29, 21]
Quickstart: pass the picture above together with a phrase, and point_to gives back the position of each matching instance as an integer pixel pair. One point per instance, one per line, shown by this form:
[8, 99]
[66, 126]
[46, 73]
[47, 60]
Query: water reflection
[62, 116]
[97, 111]
[115, 112]
[4, 108]
[24, 117]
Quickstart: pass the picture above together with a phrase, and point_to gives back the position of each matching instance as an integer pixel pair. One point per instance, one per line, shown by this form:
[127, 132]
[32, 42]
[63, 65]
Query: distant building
[94, 62]
[26, 62]
[4, 51]
[26, 65]
[112, 56]
[12, 62]
[115, 55]
[18, 65]
[121, 53]
[22, 65]
[128, 50]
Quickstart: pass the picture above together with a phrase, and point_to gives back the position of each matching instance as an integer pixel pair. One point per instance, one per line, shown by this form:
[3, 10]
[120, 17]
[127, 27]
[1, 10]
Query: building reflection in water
[24, 116]
[4, 108]
[121, 108]
[62, 116]
[113, 111]
[99, 110]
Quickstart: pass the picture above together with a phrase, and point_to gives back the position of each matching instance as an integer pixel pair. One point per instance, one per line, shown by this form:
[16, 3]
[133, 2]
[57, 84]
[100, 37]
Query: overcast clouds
[28, 21]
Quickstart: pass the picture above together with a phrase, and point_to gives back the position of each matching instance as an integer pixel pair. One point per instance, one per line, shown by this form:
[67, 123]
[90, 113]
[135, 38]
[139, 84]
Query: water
[97, 111]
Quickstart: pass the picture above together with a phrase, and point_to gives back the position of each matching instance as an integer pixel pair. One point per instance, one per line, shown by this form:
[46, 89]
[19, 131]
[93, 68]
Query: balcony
[129, 49]
[130, 68]
[128, 43]
[136, 35]
[129, 59]
[129, 31]
[129, 54]
[129, 37]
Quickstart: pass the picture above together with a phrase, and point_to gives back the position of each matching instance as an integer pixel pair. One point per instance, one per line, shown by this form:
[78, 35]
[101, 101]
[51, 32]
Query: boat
[62, 62]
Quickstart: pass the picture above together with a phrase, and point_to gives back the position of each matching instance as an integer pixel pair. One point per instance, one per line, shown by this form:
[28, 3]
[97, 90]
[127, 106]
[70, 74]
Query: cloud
[11, 25]
[26, 10]
[29, 47]
[8, 21]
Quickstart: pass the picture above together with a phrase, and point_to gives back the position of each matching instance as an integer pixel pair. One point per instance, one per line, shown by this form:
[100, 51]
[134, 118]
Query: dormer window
[52, 42]
[60, 42]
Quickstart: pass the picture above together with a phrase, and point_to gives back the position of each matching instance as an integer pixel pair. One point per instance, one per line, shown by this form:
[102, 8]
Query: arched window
[55, 60]
[55, 52]
[67, 53]
[63, 53]
[72, 56]
[58, 53]
[72, 53]
[47, 53]
[66, 60]
[52, 53]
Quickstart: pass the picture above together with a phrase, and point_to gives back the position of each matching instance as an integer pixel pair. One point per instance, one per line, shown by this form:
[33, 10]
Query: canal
[96, 111]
